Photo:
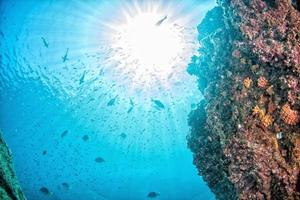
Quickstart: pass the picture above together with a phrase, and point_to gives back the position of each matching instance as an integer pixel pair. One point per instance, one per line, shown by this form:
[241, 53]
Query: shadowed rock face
[245, 135]
[9, 186]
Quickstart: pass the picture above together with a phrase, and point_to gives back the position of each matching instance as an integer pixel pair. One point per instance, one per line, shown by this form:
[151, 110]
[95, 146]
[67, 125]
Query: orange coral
[289, 116]
[267, 120]
[262, 82]
[258, 111]
[247, 82]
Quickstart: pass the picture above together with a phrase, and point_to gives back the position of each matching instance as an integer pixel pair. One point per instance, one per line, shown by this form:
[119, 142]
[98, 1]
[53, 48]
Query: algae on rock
[9, 186]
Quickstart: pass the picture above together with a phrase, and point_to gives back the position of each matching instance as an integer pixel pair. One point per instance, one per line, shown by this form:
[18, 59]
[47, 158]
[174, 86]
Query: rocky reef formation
[245, 134]
[9, 186]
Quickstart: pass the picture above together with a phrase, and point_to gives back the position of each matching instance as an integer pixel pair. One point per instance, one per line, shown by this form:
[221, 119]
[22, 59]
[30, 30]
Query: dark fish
[44, 152]
[101, 72]
[161, 21]
[131, 106]
[46, 44]
[85, 137]
[112, 101]
[65, 57]
[130, 109]
[123, 135]
[66, 186]
[82, 78]
[152, 195]
[99, 160]
[64, 133]
[44, 190]
[158, 104]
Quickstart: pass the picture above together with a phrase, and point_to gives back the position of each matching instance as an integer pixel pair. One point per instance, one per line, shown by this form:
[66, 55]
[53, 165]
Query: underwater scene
[150, 99]
[87, 112]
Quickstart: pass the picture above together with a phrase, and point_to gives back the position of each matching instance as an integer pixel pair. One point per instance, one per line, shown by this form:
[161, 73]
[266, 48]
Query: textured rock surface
[246, 134]
[9, 187]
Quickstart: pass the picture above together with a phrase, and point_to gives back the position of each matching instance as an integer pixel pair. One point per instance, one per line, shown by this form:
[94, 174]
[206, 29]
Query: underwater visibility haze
[95, 97]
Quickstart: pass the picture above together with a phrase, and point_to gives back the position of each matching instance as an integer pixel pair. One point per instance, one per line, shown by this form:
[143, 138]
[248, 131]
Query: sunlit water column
[77, 83]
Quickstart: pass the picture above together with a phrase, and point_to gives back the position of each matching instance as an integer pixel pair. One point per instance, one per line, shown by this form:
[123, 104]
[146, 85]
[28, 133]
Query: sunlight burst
[150, 40]
[151, 45]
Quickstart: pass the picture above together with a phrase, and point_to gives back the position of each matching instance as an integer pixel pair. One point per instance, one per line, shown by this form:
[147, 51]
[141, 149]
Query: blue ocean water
[73, 120]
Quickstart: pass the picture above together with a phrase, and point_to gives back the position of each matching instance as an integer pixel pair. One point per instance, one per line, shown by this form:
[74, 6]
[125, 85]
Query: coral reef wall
[9, 186]
[245, 134]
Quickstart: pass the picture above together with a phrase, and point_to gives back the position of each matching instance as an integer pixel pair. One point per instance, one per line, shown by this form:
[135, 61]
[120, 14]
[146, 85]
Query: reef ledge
[245, 134]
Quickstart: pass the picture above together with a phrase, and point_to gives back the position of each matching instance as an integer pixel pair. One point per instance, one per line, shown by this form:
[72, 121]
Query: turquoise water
[80, 123]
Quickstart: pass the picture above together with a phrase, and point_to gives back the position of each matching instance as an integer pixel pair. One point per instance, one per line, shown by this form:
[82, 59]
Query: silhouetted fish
[161, 21]
[65, 57]
[152, 195]
[112, 101]
[82, 78]
[158, 104]
[44, 152]
[123, 135]
[66, 186]
[129, 110]
[44, 190]
[131, 106]
[99, 160]
[85, 137]
[64, 133]
[46, 44]
[101, 72]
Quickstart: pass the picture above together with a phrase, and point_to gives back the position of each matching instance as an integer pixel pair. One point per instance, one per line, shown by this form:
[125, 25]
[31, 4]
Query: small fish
[152, 195]
[158, 104]
[85, 138]
[123, 135]
[45, 191]
[101, 72]
[65, 57]
[161, 21]
[82, 78]
[64, 133]
[130, 109]
[99, 160]
[66, 186]
[44, 152]
[112, 101]
[131, 106]
[46, 44]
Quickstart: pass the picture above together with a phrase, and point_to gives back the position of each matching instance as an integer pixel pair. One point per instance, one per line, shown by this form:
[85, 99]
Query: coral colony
[246, 133]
